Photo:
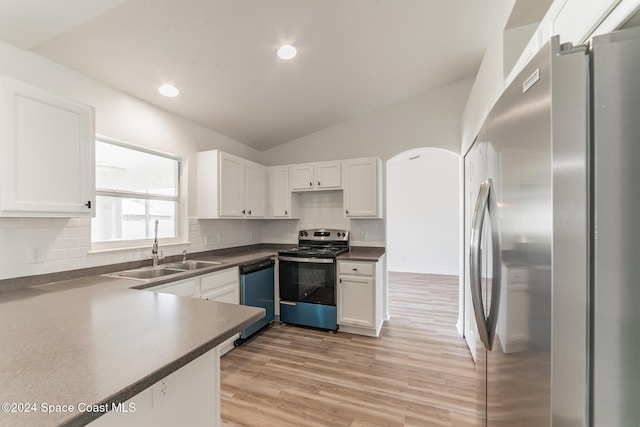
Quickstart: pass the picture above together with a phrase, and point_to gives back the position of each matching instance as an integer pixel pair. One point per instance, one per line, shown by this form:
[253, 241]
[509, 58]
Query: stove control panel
[324, 234]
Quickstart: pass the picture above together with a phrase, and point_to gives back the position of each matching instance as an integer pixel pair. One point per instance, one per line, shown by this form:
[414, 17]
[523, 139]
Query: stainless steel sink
[192, 264]
[146, 273]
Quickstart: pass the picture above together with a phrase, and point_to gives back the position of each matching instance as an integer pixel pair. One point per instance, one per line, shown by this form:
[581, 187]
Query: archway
[423, 211]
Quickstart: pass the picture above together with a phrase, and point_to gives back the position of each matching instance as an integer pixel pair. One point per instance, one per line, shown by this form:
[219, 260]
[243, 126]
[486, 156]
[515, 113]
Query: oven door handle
[310, 260]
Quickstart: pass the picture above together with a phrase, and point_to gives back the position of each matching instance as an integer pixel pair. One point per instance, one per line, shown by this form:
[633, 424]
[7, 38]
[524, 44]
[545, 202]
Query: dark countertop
[362, 253]
[98, 340]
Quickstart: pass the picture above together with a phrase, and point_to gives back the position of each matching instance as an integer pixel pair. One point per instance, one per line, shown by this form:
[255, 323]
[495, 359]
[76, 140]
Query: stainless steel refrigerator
[552, 219]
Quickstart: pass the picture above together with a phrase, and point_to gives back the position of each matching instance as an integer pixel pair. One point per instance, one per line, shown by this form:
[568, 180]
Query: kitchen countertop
[362, 253]
[101, 340]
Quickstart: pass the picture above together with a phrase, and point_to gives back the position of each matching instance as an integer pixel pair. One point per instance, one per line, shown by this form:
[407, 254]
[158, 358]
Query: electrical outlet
[160, 392]
[35, 255]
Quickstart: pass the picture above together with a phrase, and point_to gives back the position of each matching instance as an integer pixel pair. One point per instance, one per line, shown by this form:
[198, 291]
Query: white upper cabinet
[255, 189]
[281, 202]
[316, 176]
[229, 186]
[362, 187]
[328, 175]
[46, 153]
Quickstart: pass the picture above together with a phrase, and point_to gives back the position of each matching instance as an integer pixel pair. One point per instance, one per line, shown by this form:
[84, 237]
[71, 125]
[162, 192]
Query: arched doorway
[424, 211]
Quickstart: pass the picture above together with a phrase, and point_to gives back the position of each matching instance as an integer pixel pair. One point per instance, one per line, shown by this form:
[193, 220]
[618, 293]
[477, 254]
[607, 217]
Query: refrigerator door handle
[485, 203]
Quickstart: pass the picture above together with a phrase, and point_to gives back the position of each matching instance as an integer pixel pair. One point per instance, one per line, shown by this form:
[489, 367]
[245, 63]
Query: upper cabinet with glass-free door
[46, 153]
[230, 186]
[362, 187]
[316, 176]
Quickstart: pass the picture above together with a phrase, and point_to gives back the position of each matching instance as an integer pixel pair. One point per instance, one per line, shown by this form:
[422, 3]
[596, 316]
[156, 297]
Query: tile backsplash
[324, 209]
[32, 246]
[60, 244]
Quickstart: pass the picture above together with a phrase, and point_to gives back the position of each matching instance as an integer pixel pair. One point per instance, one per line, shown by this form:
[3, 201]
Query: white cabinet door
[255, 188]
[362, 188]
[356, 301]
[316, 176]
[46, 150]
[279, 192]
[232, 184]
[189, 396]
[226, 293]
[361, 297]
[222, 286]
[328, 175]
[302, 177]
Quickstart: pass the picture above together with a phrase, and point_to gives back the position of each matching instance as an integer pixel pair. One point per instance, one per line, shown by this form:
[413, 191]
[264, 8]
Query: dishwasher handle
[256, 266]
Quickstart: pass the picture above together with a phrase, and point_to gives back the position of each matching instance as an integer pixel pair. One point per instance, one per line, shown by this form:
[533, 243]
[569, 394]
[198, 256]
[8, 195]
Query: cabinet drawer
[356, 268]
[219, 278]
[186, 288]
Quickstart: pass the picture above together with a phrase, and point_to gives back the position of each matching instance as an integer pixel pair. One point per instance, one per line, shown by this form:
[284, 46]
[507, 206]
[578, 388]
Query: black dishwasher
[257, 290]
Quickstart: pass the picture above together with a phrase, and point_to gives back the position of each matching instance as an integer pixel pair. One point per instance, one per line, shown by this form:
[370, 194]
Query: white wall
[66, 242]
[430, 119]
[423, 223]
[572, 20]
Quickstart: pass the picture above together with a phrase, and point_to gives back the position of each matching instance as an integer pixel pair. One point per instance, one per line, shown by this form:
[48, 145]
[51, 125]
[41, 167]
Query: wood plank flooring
[418, 373]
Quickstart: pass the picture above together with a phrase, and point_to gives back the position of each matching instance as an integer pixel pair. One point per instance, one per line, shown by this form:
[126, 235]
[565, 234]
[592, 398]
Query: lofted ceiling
[354, 56]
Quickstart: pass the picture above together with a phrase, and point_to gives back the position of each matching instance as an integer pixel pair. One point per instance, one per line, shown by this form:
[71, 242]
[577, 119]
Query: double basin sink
[148, 273]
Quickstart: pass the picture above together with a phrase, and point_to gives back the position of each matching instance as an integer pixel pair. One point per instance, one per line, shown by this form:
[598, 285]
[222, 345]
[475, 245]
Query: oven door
[308, 280]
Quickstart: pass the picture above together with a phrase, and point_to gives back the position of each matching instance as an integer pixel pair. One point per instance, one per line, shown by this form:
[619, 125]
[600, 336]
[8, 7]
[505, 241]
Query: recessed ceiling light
[287, 52]
[168, 90]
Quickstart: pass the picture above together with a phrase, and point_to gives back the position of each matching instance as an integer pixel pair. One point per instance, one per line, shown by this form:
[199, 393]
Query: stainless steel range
[308, 278]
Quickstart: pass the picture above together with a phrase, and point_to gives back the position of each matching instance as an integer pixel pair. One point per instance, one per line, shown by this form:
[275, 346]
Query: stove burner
[309, 251]
[321, 243]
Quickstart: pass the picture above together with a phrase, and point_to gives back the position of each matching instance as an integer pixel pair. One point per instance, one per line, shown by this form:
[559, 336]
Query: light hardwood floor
[418, 373]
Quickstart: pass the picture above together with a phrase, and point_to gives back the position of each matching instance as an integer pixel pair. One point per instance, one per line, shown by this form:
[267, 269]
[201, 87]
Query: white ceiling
[354, 56]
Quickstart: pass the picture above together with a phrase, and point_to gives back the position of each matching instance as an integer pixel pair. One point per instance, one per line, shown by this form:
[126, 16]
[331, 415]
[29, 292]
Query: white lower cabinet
[189, 396]
[185, 288]
[222, 286]
[360, 297]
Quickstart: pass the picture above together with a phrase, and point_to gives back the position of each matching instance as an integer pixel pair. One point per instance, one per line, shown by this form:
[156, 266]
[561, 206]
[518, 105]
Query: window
[134, 188]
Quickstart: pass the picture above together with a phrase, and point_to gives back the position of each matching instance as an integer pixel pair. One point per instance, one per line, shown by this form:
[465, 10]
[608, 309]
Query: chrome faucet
[154, 249]
[184, 256]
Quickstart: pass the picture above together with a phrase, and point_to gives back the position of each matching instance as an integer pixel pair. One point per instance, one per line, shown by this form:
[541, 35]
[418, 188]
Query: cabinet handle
[286, 213]
[310, 184]
[355, 269]
[249, 212]
[347, 211]
[318, 183]
[243, 211]
[88, 204]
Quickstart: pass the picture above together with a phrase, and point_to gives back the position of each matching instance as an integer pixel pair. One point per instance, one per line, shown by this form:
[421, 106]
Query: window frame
[115, 245]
